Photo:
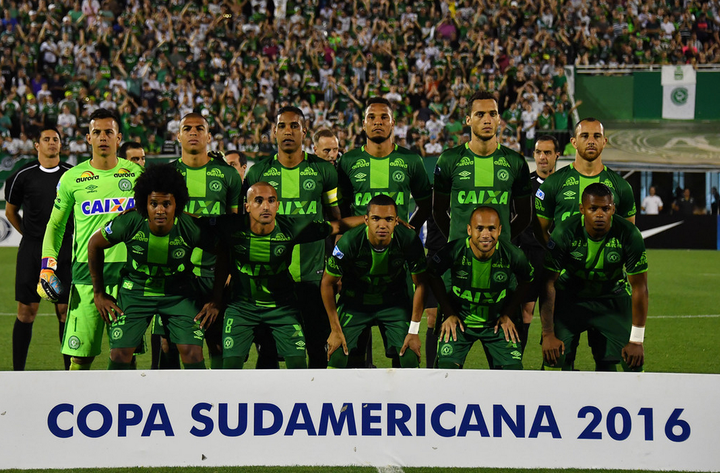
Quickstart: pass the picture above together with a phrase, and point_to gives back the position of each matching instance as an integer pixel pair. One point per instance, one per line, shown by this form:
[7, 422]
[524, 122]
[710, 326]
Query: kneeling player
[587, 286]
[482, 298]
[372, 262]
[158, 274]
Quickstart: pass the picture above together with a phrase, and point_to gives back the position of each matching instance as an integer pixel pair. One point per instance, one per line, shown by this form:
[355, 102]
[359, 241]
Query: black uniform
[33, 189]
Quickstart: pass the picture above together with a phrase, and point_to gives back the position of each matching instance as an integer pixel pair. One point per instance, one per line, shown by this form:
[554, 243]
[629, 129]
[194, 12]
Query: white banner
[470, 418]
[678, 92]
[8, 235]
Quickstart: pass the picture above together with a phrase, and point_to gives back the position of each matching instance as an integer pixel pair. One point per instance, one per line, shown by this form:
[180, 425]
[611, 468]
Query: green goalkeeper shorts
[84, 326]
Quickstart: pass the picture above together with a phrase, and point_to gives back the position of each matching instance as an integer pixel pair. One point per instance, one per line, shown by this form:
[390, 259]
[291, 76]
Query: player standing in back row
[215, 189]
[92, 191]
[32, 189]
[306, 186]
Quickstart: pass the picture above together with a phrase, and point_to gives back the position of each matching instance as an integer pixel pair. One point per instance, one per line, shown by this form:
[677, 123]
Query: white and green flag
[678, 92]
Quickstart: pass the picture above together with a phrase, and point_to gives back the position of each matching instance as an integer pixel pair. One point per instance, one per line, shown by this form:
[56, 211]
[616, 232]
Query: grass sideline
[683, 310]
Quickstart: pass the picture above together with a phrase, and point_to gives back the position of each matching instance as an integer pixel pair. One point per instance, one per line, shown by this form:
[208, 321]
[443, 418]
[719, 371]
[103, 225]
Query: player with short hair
[237, 160]
[372, 262]
[157, 278]
[307, 189]
[132, 151]
[382, 167]
[32, 189]
[596, 280]
[91, 191]
[546, 153]
[260, 248]
[326, 146]
[482, 298]
[214, 190]
[481, 172]
[559, 196]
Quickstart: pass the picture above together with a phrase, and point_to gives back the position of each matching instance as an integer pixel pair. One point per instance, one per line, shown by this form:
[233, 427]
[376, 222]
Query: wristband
[637, 334]
[49, 263]
[414, 328]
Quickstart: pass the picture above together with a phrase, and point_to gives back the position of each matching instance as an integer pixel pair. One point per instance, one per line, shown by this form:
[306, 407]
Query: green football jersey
[156, 265]
[401, 174]
[91, 195]
[261, 263]
[471, 180]
[215, 189]
[372, 278]
[595, 269]
[479, 289]
[302, 191]
[559, 196]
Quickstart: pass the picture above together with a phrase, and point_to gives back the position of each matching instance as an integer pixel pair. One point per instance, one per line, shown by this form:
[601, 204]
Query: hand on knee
[338, 359]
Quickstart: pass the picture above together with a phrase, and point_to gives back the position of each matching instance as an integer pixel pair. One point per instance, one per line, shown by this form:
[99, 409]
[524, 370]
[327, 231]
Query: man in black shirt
[33, 189]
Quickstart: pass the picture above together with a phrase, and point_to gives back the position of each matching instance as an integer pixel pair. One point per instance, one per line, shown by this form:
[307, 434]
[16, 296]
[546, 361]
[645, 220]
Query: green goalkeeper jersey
[480, 289]
[91, 196]
[376, 278]
[559, 196]
[401, 174]
[595, 268]
[215, 189]
[261, 263]
[303, 191]
[156, 265]
[471, 180]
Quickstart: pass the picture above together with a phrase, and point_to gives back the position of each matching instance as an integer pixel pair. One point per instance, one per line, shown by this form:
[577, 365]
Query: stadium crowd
[237, 62]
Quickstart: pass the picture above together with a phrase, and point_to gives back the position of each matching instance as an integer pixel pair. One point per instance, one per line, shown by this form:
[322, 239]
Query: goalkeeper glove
[49, 287]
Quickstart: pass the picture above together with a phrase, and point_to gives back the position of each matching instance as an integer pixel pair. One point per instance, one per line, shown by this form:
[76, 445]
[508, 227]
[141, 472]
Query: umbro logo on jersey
[90, 189]
[465, 175]
[137, 249]
[465, 161]
[274, 183]
[576, 255]
[362, 163]
[569, 195]
[571, 182]
[462, 274]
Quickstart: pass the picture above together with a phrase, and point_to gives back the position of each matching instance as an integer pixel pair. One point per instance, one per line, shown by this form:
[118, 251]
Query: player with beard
[382, 167]
[307, 189]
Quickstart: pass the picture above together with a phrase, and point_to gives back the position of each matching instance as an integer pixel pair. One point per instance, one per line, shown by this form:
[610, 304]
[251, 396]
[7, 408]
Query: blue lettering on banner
[376, 419]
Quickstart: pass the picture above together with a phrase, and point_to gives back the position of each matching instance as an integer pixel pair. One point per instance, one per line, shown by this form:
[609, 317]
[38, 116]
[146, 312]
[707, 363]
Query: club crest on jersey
[279, 250]
[503, 175]
[179, 253]
[107, 206]
[398, 176]
[125, 185]
[309, 184]
[215, 186]
[86, 176]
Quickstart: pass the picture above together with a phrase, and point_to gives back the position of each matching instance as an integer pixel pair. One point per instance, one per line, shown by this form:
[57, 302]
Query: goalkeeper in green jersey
[596, 280]
[92, 192]
[157, 277]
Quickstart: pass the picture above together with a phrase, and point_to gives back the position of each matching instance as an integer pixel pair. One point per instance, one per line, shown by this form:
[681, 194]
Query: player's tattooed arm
[105, 303]
[552, 347]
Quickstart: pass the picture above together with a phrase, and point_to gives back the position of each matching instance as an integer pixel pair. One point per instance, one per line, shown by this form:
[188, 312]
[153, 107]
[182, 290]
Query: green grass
[682, 283]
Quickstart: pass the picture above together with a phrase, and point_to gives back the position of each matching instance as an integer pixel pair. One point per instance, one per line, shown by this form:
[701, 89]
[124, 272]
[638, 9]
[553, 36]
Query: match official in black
[32, 188]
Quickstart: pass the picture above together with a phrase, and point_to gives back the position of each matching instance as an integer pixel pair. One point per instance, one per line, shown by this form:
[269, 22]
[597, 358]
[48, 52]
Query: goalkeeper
[92, 191]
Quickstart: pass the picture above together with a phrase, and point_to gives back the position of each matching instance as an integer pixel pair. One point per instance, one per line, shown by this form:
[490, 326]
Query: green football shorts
[177, 314]
[395, 321]
[500, 353]
[241, 320]
[84, 325]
